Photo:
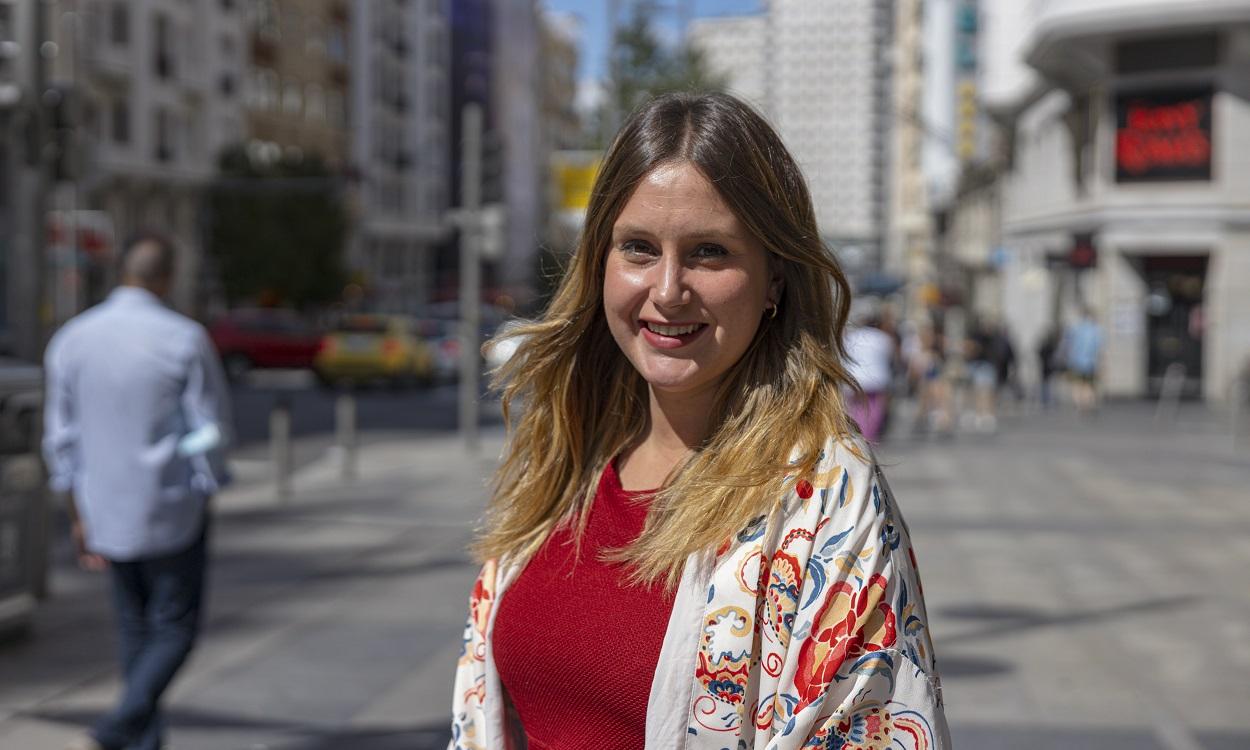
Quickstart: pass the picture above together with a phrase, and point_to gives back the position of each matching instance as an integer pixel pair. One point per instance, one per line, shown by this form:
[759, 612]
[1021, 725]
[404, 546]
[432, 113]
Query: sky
[593, 18]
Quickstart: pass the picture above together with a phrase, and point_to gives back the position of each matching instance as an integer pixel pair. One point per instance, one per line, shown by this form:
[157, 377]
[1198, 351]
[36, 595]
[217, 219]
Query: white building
[908, 250]
[517, 92]
[1128, 189]
[153, 93]
[827, 90]
[734, 47]
[399, 118]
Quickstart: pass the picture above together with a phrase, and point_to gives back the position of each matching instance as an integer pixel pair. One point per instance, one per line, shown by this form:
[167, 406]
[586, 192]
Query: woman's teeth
[673, 330]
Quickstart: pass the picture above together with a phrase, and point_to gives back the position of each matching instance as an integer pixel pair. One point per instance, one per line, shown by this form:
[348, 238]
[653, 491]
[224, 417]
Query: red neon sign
[1163, 137]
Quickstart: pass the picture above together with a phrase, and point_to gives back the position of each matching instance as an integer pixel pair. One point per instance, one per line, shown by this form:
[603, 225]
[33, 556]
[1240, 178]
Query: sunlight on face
[685, 284]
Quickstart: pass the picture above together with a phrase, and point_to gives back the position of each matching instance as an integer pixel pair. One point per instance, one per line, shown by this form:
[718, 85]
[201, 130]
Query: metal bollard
[1170, 392]
[280, 447]
[1239, 396]
[345, 434]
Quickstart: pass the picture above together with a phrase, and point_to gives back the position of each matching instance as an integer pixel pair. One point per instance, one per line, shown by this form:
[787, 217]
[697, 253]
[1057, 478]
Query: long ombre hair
[579, 401]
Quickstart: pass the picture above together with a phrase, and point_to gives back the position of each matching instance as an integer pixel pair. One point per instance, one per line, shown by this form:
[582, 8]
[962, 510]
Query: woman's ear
[776, 285]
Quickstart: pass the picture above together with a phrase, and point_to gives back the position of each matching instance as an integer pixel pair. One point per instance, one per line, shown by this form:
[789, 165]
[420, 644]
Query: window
[163, 59]
[121, 121]
[336, 109]
[267, 21]
[267, 89]
[336, 45]
[315, 103]
[163, 145]
[292, 99]
[119, 23]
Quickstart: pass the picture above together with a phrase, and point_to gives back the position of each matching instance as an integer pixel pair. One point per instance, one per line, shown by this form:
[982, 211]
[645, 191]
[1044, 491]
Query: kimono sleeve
[468, 727]
[856, 669]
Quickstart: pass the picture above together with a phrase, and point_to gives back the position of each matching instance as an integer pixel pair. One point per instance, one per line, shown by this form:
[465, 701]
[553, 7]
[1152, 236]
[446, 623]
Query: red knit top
[575, 646]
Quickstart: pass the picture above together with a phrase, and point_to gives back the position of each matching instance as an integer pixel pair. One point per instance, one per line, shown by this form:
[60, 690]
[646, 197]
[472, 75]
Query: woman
[870, 362]
[687, 546]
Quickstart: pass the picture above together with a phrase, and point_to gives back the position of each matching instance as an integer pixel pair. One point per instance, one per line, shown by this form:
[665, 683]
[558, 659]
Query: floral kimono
[807, 630]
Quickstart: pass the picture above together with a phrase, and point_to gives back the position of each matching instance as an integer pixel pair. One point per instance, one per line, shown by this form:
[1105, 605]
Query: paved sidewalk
[334, 620]
[1085, 581]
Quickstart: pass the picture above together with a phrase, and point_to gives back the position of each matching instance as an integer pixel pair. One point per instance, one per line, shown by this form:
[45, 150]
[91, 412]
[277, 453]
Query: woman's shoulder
[845, 484]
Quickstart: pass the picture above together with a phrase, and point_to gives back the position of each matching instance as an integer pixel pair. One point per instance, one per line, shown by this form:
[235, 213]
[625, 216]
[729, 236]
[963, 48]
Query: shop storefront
[1130, 195]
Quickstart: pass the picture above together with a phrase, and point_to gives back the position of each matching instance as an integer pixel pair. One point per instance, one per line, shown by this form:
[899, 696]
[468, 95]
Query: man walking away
[136, 422]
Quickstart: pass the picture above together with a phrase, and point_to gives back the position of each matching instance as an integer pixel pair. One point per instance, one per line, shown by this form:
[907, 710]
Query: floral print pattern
[812, 631]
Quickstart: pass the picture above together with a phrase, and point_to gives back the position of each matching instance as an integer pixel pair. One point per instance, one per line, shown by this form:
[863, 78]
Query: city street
[1084, 580]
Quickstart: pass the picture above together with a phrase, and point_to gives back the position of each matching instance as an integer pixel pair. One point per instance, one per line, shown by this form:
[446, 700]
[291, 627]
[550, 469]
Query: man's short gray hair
[148, 258]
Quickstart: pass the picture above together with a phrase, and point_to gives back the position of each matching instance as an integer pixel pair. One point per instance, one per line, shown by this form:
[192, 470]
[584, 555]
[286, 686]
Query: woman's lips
[671, 341]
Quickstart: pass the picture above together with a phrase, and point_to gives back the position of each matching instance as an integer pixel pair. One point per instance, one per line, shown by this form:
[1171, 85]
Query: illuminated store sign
[1165, 136]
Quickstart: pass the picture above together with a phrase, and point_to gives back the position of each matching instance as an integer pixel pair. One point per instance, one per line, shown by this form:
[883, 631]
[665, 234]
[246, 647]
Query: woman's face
[685, 285]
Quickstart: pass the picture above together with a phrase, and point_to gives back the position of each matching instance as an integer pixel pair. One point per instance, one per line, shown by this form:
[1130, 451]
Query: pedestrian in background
[980, 379]
[1048, 364]
[870, 353]
[1003, 356]
[1082, 350]
[683, 470]
[136, 419]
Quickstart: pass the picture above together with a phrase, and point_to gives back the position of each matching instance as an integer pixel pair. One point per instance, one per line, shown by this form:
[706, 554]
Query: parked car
[443, 338]
[263, 338]
[439, 324]
[24, 498]
[365, 348]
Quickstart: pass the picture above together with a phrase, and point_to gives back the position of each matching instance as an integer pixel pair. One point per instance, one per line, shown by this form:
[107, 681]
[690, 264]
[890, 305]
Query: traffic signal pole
[470, 272]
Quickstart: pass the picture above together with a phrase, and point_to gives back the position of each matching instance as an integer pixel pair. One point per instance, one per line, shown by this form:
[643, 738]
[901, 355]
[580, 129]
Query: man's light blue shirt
[1084, 346]
[126, 382]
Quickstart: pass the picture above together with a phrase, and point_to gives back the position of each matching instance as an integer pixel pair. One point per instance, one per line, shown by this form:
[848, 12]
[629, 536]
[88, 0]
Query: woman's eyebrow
[701, 234]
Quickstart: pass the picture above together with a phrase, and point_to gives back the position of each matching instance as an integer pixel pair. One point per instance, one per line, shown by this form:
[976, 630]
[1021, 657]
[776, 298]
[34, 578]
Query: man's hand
[87, 560]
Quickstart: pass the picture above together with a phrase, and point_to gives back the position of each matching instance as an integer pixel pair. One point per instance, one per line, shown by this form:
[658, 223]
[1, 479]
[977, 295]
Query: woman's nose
[668, 288]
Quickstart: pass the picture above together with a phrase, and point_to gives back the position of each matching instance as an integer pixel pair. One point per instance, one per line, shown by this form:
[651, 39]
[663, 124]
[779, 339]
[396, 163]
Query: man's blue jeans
[157, 602]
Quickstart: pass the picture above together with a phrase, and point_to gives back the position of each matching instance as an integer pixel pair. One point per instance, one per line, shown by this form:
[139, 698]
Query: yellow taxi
[367, 347]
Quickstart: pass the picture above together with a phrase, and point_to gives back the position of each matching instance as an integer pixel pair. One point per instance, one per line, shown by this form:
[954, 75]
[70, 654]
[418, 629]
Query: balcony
[1069, 41]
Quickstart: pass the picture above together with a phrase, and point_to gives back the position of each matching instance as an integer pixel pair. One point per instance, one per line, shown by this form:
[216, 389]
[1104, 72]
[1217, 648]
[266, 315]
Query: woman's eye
[635, 247]
[710, 251]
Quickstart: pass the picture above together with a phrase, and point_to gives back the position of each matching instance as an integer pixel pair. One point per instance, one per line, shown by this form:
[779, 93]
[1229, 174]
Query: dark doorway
[1175, 318]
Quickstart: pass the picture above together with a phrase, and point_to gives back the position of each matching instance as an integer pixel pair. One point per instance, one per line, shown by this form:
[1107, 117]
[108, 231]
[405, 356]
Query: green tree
[277, 230]
[642, 66]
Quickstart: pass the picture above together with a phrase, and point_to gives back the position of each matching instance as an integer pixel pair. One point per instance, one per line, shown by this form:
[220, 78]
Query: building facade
[829, 94]
[297, 88]
[827, 89]
[1128, 187]
[400, 138]
[521, 158]
[147, 94]
[735, 48]
[909, 239]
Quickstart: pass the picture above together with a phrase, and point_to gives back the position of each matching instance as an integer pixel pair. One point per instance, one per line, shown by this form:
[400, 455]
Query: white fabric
[807, 630]
[869, 354]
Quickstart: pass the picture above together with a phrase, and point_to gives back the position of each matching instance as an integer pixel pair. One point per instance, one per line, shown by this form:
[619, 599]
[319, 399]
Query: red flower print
[849, 624]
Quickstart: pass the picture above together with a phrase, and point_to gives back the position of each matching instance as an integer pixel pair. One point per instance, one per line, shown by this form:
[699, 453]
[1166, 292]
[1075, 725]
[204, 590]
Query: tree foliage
[643, 66]
[277, 230]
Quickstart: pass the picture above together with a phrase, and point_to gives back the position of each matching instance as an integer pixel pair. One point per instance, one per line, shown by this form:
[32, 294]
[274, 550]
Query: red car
[263, 338]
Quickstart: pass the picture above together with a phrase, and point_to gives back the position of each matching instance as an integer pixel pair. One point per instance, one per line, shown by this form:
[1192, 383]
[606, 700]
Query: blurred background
[1045, 204]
